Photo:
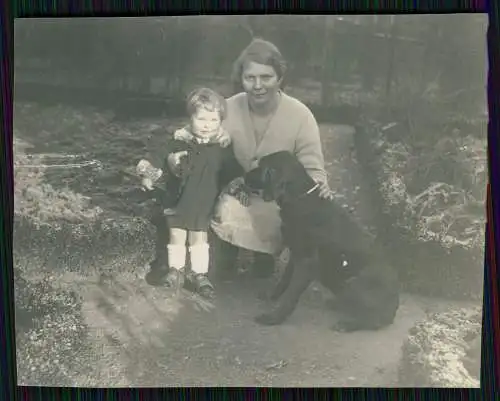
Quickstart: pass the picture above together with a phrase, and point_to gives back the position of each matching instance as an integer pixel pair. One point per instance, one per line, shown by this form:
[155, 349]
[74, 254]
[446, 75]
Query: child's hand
[224, 139]
[180, 167]
[174, 160]
[179, 155]
[225, 142]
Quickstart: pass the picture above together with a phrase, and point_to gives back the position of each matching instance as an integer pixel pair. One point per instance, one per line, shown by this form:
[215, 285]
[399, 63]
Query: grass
[79, 137]
[58, 229]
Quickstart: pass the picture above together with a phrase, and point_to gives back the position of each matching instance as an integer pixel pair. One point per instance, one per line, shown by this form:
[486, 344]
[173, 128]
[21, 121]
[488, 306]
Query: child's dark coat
[204, 172]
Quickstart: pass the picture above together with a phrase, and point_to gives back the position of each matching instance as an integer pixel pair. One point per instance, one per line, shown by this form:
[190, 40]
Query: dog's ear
[274, 184]
[254, 179]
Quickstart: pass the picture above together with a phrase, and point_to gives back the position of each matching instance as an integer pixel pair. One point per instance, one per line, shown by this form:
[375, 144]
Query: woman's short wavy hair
[262, 52]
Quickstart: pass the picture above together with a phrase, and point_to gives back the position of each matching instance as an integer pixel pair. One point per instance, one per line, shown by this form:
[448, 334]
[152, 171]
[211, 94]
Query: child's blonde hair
[207, 99]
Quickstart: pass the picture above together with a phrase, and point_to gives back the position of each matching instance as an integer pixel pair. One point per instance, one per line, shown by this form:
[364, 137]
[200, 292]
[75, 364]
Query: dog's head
[280, 176]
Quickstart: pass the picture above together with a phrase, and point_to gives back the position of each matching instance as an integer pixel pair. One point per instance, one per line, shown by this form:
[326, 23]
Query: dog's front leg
[284, 281]
[301, 274]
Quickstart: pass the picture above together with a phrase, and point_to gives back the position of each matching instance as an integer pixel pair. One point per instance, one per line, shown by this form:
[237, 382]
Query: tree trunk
[328, 65]
[391, 58]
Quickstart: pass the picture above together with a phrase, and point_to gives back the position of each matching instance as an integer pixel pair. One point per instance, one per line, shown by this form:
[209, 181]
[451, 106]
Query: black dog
[325, 244]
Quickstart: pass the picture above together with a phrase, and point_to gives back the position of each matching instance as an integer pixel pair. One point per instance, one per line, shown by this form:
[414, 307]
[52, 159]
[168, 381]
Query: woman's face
[260, 82]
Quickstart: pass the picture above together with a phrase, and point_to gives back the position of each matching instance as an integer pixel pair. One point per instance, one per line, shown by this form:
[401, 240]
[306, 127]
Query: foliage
[145, 53]
[436, 191]
[39, 200]
[55, 225]
[50, 335]
[435, 352]
[68, 137]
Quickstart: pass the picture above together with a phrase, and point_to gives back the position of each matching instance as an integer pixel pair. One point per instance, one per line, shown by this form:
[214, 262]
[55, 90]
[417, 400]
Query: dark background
[124, 59]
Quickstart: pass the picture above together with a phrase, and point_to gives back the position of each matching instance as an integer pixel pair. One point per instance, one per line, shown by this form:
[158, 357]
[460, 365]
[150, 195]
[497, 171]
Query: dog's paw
[269, 319]
[338, 327]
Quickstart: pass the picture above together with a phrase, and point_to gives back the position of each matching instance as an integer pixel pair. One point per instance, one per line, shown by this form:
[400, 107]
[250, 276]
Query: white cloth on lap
[256, 227]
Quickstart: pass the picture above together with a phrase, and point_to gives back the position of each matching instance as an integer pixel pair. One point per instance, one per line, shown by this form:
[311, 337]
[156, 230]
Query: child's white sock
[199, 258]
[176, 256]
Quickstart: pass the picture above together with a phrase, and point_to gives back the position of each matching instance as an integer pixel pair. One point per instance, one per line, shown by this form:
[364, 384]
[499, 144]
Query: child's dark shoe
[175, 280]
[204, 287]
[157, 275]
[190, 283]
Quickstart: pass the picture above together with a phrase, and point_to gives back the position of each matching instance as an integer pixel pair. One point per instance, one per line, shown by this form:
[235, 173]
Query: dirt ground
[144, 336]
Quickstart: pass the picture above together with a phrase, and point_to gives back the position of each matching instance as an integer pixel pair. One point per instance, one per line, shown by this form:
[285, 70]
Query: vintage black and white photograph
[275, 201]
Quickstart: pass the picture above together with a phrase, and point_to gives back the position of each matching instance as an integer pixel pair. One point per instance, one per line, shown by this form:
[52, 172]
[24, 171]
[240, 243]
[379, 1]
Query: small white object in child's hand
[146, 169]
[142, 167]
[147, 183]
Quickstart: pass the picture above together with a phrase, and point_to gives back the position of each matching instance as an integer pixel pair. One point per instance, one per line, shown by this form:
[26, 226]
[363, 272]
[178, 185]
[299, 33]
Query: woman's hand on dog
[238, 190]
[243, 197]
[324, 190]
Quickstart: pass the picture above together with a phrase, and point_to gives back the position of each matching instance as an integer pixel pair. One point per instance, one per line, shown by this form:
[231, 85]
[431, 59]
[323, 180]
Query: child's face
[205, 123]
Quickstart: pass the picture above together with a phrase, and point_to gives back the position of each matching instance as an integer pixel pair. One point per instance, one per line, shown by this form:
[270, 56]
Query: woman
[262, 119]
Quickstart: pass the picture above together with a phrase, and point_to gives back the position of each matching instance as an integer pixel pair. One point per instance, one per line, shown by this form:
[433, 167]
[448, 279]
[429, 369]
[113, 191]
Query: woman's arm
[308, 148]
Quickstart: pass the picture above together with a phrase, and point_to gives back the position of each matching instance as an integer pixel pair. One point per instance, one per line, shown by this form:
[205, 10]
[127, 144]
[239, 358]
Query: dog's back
[323, 223]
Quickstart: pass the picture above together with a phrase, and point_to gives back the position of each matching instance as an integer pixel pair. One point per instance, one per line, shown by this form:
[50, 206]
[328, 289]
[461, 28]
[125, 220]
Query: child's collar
[203, 140]
[185, 135]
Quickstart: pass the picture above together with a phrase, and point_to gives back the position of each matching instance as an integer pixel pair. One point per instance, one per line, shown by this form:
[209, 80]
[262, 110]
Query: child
[201, 151]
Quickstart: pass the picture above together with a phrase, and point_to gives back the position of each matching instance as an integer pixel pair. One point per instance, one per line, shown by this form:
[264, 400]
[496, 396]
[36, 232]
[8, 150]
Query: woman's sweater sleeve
[308, 148]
